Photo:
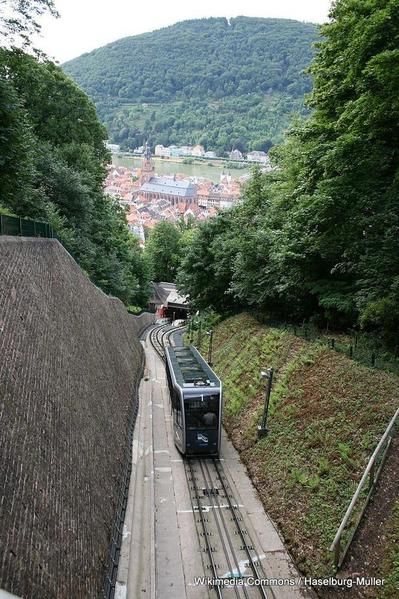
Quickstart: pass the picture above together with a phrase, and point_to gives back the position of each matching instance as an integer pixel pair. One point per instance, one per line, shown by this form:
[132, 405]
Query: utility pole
[268, 376]
[199, 337]
[210, 333]
[190, 329]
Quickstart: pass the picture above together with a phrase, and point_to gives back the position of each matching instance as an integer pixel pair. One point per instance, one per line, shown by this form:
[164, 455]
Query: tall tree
[343, 228]
[17, 151]
[319, 237]
[206, 267]
[163, 251]
[53, 162]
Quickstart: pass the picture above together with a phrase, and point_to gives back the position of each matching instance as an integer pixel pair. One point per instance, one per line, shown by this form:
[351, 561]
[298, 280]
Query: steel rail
[241, 533]
[195, 509]
[171, 331]
[153, 337]
[157, 338]
[204, 528]
[215, 501]
[160, 334]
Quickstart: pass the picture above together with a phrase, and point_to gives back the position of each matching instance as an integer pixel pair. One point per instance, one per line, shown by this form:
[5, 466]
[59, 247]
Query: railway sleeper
[254, 563]
[212, 491]
[197, 508]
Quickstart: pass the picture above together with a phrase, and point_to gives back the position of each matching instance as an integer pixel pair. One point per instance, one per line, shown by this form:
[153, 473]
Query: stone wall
[69, 359]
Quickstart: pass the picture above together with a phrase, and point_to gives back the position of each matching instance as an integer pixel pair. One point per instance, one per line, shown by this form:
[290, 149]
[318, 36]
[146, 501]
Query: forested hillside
[211, 81]
[319, 237]
[52, 164]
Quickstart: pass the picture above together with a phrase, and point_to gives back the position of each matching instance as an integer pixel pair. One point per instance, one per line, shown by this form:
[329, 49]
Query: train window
[178, 418]
[177, 408]
[202, 412]
[175, 400]
[169, 379]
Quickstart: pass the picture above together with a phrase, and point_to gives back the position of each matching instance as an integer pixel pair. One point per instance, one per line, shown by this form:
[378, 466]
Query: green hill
[215, 81]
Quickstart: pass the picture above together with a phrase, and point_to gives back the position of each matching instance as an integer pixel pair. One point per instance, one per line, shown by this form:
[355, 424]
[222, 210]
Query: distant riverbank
[170, 166]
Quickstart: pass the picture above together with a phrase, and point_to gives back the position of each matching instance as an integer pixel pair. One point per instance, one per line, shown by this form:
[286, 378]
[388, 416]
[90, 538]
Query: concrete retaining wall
[69, 358]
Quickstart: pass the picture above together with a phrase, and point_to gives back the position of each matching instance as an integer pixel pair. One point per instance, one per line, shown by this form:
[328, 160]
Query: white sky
[88, 24]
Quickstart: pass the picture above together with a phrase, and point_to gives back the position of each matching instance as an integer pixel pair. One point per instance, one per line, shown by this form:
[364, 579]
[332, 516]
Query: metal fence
[13, 225]
[362, 495]
[358, 346]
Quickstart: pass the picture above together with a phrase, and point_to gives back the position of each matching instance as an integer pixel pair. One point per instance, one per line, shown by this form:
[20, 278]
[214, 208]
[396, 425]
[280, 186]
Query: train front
[202, 413]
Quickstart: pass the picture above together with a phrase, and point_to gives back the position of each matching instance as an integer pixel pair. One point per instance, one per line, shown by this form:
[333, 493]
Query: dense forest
[319, 237]
[223, 83]
[53, 162]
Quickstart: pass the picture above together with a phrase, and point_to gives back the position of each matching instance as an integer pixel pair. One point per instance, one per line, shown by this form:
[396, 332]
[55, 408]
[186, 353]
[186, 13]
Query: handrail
[373, 475]
[22, 227]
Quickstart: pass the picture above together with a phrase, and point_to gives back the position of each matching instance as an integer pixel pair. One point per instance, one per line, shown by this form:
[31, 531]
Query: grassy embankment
[327, 413]
[390, 566]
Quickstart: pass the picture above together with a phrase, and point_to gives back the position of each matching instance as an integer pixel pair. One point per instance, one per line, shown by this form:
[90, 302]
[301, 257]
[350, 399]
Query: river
[167, 167]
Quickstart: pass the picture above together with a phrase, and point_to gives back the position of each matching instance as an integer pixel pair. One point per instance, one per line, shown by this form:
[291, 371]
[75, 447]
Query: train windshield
[202, 412]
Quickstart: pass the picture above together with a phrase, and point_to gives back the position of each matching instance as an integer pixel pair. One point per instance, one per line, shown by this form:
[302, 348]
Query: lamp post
[210, 333]
[190, 329]
[268, 376]
[199, 336]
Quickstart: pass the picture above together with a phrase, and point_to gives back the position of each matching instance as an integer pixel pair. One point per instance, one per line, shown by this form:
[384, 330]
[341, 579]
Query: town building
[138, 231]
[198, 151]
[167, 301]
[222, 195]
[161, 151]
[175, 151]
[169, 188]
[148, 168]
[114, 148]
[153, 187]
[182, 151]
[120, 183]
[235, 155]
[225, 178]
[186, 150]
[256, 156]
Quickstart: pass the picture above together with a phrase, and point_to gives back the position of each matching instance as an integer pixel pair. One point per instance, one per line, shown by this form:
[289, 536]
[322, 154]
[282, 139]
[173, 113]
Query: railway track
[227, 549]
[159, 337]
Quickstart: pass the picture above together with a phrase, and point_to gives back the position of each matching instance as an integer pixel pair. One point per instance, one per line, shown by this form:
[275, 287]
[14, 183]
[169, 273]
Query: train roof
[190, 368]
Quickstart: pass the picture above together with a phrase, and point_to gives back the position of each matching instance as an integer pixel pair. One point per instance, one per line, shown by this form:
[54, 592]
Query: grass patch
[391, 564]
[327, 413]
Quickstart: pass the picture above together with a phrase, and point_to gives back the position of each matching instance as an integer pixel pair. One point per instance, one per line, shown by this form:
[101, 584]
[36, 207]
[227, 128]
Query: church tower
[148, 168]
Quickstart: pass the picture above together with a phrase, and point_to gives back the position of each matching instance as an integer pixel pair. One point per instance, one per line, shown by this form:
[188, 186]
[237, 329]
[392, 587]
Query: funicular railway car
[196, 400]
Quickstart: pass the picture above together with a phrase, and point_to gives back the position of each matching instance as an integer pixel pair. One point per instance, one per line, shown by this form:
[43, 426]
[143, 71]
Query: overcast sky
[88, 24]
